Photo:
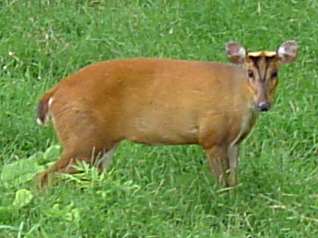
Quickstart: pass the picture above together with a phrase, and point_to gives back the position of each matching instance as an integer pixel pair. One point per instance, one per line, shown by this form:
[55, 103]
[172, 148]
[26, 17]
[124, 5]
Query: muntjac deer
[162, 102]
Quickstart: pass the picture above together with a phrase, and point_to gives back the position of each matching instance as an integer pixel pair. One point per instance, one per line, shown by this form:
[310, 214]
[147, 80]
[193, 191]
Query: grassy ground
[160, 191]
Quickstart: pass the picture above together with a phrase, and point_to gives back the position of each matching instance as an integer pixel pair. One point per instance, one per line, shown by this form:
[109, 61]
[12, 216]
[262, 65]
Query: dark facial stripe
[266, 67]
[257, 60]
[268, 59]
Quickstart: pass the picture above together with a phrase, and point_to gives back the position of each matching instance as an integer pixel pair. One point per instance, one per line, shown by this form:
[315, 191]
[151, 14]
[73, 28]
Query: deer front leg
[233, 151]
[219, 164]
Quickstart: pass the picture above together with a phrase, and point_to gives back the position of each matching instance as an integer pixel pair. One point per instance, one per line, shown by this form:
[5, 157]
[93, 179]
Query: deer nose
[263, 106]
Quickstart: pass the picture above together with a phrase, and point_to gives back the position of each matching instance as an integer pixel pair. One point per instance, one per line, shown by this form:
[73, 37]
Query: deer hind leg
[80, 142]
[82, 135]
[65, 164]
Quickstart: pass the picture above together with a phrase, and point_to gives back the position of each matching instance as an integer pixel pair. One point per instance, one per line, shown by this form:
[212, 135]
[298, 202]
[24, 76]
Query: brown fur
[151, 101]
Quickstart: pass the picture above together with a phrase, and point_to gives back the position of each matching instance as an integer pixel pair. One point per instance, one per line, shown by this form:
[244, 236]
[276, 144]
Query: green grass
[163, 191]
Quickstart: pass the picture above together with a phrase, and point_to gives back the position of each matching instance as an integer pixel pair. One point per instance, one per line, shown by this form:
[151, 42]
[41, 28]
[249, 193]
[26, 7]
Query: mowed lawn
[161, 191]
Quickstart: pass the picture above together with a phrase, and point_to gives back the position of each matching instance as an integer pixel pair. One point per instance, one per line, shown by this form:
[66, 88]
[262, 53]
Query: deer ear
[235, 52]
[287, 51]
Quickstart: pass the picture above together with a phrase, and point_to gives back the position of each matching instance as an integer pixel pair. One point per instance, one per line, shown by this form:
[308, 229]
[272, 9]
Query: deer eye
[250, 73]
[274, 74]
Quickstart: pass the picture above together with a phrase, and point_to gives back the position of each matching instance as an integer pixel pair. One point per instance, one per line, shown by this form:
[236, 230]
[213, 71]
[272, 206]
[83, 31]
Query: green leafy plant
[23, 170]
[22, 198]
